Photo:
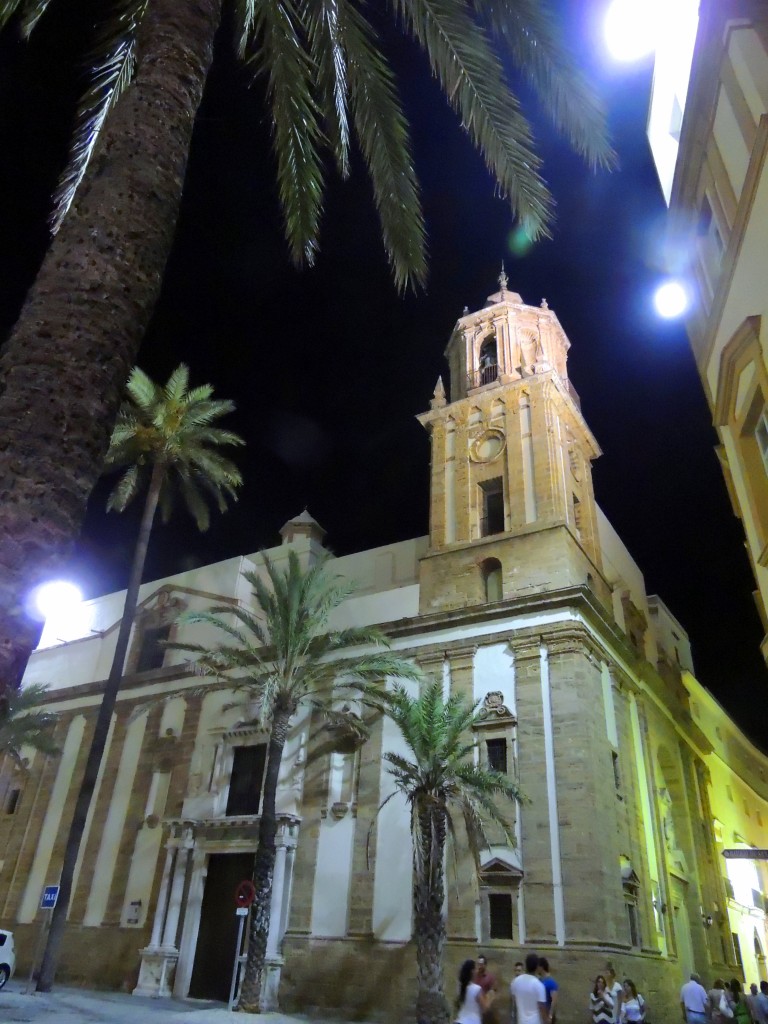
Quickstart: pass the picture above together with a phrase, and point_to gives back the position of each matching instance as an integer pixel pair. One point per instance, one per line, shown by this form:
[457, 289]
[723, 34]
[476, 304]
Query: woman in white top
[472, 1002]
[632, 1004]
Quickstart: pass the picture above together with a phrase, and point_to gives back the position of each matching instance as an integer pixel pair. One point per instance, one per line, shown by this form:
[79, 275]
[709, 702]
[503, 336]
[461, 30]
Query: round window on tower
[487, 446]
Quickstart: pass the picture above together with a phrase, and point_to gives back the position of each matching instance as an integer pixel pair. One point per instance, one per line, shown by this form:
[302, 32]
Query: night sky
[329, 366]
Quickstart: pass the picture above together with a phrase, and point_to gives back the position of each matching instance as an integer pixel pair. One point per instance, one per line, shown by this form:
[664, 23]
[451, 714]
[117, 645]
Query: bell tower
[512, 510]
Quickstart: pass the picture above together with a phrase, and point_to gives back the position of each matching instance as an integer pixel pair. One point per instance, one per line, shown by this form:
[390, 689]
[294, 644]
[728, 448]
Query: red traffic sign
[245, 894]
[745, 854]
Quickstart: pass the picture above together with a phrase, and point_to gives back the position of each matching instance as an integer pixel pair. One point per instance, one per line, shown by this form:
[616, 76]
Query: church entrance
[215, 951]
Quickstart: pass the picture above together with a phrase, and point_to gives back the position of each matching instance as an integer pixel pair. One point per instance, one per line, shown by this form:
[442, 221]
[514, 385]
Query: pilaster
[536, 852]
[461, 876]
[589, 811]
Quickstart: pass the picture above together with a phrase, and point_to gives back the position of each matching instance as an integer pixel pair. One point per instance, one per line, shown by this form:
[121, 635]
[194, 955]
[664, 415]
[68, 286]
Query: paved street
[79, 1006]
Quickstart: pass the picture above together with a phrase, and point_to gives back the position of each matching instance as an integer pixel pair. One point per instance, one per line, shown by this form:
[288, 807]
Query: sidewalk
[80, 1006]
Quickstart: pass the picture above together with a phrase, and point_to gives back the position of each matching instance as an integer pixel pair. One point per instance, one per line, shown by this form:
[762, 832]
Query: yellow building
[523, 598]
[738, 794]
[708, 131]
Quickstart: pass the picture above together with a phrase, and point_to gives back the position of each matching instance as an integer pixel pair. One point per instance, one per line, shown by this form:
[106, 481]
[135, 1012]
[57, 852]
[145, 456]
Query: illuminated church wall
[522, 598]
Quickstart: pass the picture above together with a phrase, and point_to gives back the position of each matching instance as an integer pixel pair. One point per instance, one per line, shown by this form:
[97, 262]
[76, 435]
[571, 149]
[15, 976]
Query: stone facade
[708, 129]
[522, 598]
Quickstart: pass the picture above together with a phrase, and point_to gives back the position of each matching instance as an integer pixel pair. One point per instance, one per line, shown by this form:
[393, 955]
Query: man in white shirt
[694, 1001]
[529, 995]
[613, 985]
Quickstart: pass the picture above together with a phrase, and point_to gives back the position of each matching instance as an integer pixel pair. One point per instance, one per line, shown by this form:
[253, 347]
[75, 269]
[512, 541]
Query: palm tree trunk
[263, 870]
[63, 369]
[429, 920]
[101, 731]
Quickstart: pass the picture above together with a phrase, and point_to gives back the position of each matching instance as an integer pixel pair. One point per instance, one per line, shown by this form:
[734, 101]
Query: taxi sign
[49, 897]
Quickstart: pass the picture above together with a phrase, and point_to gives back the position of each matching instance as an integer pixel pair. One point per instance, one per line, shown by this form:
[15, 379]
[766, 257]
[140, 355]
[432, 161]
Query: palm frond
[281, 57]
[142, 390]
[472, 79]
[7, 10]
[112, 63]
[177, 386]
[327, 50]
[24, 724]
[245, 16]
[533, 34]
[382, 132]
[32, 13]
[125, 490]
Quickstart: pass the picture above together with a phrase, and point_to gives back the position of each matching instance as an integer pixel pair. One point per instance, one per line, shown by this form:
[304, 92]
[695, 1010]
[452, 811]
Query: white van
[7, 957]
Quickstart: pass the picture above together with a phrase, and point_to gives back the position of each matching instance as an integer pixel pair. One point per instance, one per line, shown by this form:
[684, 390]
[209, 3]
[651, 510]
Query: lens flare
[519, 242]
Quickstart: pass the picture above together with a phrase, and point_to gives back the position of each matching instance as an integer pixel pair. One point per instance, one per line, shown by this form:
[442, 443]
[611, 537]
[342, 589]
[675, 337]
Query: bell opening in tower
[488, 362]
[492, 518]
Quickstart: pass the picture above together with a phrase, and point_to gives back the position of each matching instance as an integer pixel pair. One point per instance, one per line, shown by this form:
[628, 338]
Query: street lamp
[671, 299]
[631, 29]
[56, 598]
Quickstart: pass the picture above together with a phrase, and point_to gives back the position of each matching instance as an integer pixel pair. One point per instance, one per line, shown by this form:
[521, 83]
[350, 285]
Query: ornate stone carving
[494, 711]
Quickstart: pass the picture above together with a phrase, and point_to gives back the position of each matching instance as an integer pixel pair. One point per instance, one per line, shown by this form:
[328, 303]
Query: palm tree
[64, 364]
[24, 724]
[165, 440]
[285, 656]
[441, 784]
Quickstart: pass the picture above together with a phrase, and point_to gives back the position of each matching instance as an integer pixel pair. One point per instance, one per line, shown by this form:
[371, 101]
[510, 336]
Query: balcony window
[152, 653]
[493, 507]
[246, 781]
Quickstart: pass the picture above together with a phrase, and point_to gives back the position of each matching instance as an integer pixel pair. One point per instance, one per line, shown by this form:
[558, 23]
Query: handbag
[724, 1007]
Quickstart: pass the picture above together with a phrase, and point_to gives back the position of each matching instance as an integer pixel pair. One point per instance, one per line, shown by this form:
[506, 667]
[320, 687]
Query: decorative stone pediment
[493, 711]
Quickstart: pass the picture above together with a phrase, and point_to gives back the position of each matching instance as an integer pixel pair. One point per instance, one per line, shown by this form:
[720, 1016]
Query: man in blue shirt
[550, 986]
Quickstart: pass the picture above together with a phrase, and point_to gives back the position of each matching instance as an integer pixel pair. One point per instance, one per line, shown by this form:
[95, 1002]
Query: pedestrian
[529, 995]
[738, 1003]
[518, 970]
[487, 983]
[632, 1004]
[762, 1002]
[601, 1002]
[694, 1001]
[752, 1003]
[614, 987]
[471, 1001]
[550, 986]
[720, 1011]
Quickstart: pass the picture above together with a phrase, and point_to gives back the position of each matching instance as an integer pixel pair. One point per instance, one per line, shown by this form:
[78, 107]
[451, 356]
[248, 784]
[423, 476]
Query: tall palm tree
[284, 654]
[442, 785]
[24, 724]
[165, 439]
[64, 364]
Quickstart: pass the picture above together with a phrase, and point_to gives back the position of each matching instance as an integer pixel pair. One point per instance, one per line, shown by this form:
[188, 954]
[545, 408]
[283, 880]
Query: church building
[523, 598]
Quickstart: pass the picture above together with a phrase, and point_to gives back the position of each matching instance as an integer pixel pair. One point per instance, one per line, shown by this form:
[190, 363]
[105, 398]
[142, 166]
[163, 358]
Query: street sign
[745, 854]
[241, 911]
[245, 893]
[49, 897]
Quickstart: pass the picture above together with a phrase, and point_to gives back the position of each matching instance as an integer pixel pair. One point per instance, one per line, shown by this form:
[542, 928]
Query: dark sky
[329, 366]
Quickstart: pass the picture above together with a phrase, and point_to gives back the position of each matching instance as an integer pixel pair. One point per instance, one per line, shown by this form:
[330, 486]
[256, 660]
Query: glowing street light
[671, 300]
[631, 28]
[56, 599]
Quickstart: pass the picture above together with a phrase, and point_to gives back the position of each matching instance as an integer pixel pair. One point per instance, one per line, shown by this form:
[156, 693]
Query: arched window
[488, 361]
[491, 574]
